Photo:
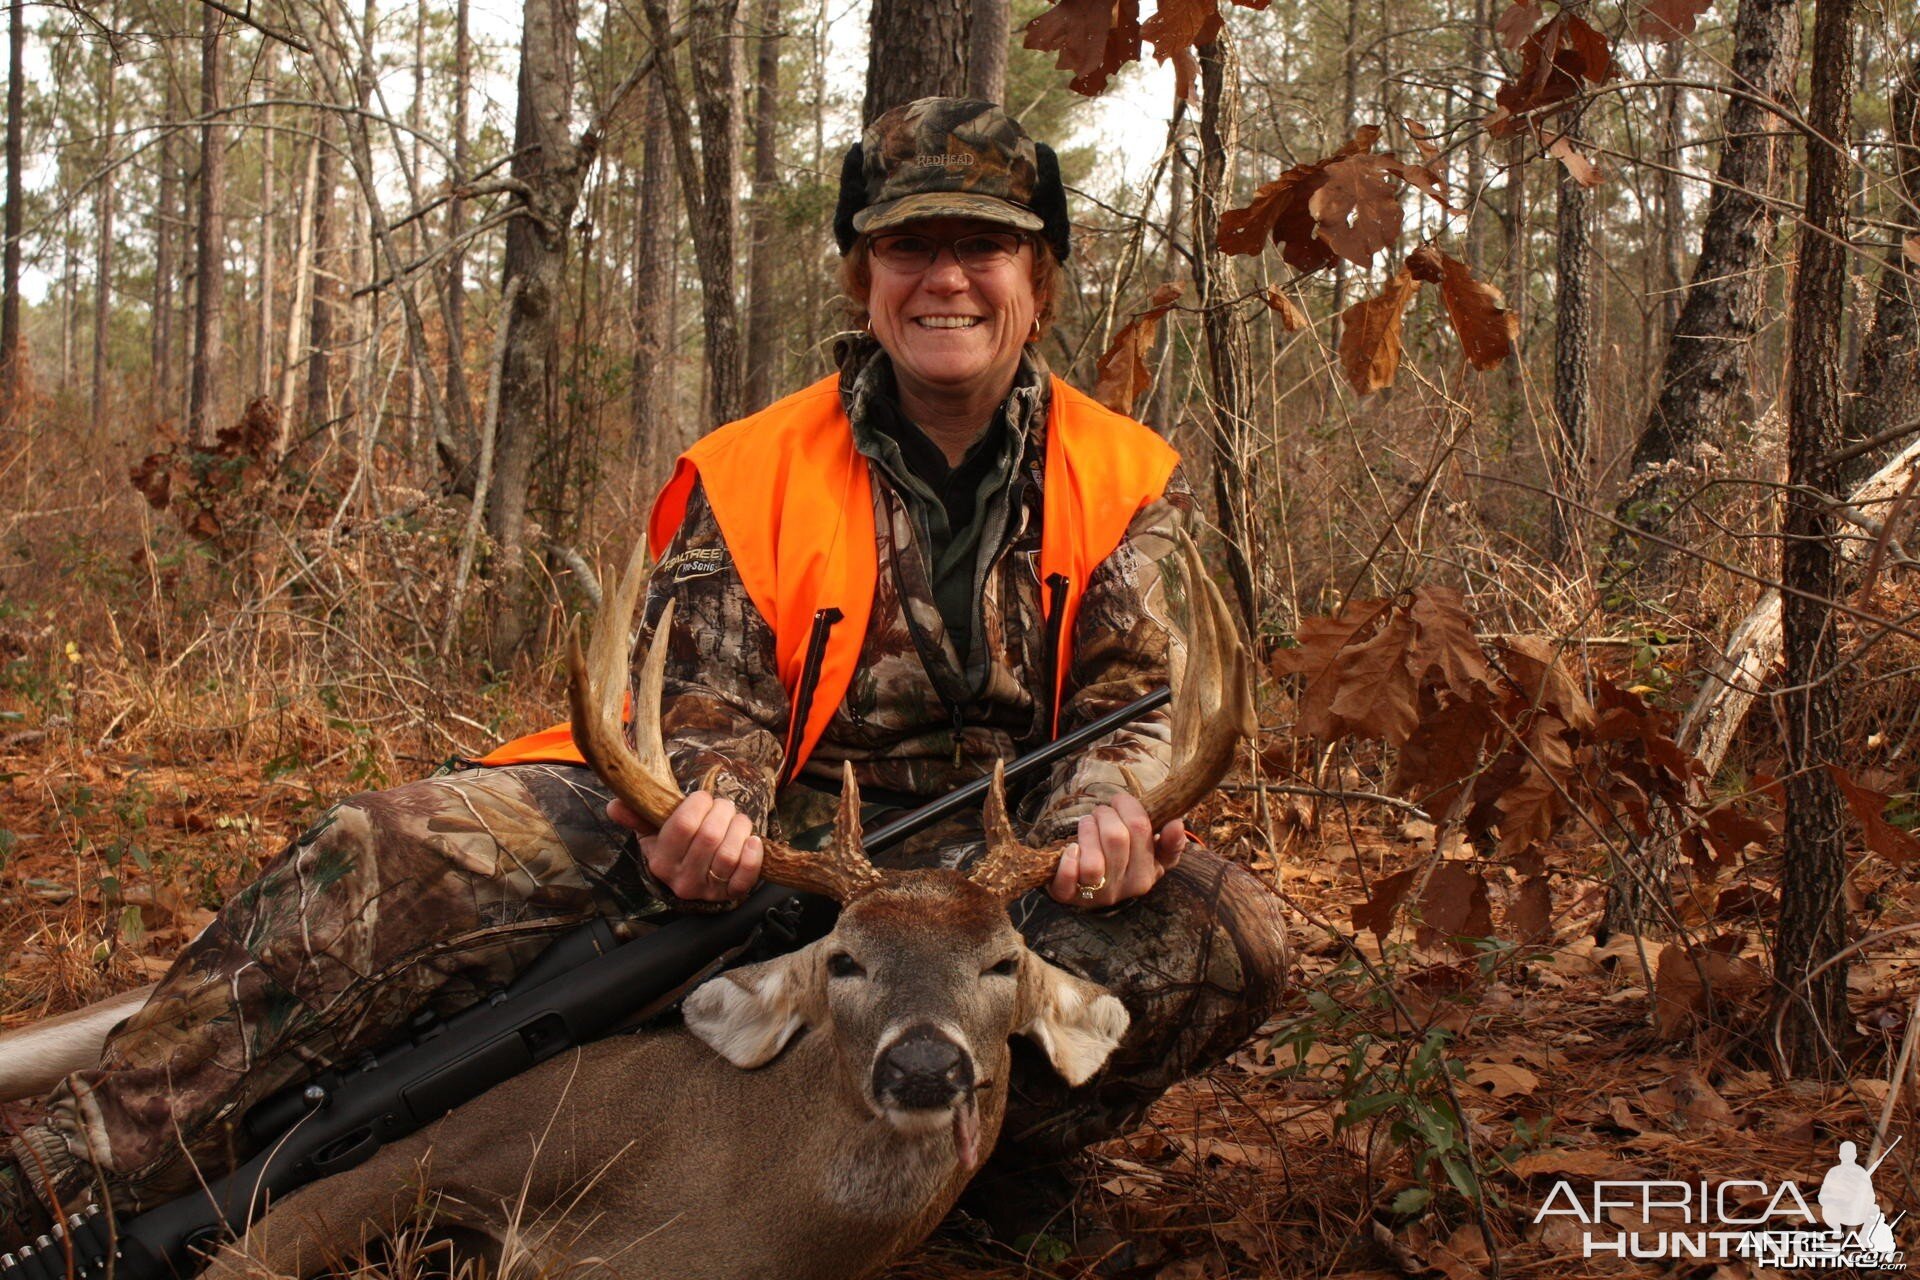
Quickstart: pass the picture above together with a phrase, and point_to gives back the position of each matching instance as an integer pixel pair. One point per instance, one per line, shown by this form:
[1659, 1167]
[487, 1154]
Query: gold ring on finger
[1088, 891]
[716, 877]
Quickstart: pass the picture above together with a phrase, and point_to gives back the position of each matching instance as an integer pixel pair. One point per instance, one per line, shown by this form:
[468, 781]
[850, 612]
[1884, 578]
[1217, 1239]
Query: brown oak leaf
[1376, 913]
[1486, 328]
[1445, 642]
[1584, 171]
[1370, 340]
[1443, 754]
[1869, 808]
[1281, 211]
[1092, 38]
[1517, 23]
[1671, 19]
[1455, 907]
[1292, 318]
[1378, 692]
[1530, 918]
[1554, 61]
[1122, 368]
[1181, 24]
[1356, 211]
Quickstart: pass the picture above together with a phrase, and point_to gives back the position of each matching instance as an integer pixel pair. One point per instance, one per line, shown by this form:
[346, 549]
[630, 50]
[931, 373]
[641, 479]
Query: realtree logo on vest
[1768, 1224]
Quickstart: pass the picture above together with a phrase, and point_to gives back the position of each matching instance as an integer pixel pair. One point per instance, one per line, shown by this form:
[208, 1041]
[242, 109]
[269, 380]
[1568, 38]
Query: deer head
[924, 977]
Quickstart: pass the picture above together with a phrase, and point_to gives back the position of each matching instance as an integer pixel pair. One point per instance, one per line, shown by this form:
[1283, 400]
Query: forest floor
[1324, 1149]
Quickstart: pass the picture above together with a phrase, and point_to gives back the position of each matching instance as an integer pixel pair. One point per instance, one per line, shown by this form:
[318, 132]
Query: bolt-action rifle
[587, 984]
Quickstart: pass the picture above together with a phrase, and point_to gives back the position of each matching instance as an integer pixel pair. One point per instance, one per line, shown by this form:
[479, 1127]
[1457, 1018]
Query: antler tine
[596, 685]
[1212, 695]
[1010, 867]
[842, 870]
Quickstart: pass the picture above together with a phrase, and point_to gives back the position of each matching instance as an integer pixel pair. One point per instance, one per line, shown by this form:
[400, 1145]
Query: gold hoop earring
[1035, 335]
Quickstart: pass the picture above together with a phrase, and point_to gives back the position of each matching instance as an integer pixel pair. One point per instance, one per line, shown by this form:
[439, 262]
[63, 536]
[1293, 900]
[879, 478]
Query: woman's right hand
[704, 852]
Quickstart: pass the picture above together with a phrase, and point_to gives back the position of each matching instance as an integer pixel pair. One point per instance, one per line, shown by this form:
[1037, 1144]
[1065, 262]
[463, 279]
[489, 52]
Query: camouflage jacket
[919, 718]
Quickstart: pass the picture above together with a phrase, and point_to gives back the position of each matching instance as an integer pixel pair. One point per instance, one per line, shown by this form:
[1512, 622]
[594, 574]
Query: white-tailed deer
[858, 1082]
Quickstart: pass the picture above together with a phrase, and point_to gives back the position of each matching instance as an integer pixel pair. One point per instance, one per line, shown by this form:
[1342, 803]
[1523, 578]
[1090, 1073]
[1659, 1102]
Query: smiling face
[954, 333]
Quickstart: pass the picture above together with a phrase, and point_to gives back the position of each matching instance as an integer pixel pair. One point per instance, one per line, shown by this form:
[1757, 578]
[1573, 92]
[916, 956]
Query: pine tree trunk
[762, 309]
[707, 186]
[10, 338]
[1572, 362]
[166, 239]
[550, 167]
[654, 239]
[326, 272]
[295, 350]
[988, 32]
[1813, 926]
[915, 49]
[210, 244]
[103, 242]
[1226, 328]
[1705, 365]
[263, 343]
[1887, 390]
[459, 403]
[1480, 55]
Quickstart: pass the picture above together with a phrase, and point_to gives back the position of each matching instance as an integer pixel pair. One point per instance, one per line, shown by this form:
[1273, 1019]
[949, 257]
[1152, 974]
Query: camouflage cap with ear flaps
[950, 158]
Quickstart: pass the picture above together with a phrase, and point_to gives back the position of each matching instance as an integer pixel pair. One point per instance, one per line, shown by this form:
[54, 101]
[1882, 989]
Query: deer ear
[1077, 1024]
[747, 1015]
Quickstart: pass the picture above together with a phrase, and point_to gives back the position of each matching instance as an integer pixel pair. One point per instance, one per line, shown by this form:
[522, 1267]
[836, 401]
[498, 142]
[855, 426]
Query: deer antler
[640, 775]
[1212, 714]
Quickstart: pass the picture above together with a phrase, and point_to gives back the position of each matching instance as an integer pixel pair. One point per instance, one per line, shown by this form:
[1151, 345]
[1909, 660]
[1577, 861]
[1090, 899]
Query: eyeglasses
[908, 252]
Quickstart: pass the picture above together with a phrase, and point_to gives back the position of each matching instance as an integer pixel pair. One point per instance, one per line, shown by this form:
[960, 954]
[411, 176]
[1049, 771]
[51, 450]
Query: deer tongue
[966, 1131]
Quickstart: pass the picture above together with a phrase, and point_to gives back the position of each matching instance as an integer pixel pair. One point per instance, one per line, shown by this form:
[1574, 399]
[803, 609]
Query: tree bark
[1572, 362]
[210, 241]
[459, 402]
[915, 49]
[1226, 329]
[1888, 387]
[550, 167]
[1813, 866]
[103, 242]
[1480, 56]
[1704, 369]
[1670, 256]
[10, 338]
[326, 267]
[654, 239]
[707, 185]
[988, 31]
[762, 310]
[166, 239]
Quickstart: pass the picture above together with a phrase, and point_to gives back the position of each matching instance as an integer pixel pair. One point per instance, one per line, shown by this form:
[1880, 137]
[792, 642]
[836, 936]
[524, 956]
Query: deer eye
[842, 965]
[1005, 968]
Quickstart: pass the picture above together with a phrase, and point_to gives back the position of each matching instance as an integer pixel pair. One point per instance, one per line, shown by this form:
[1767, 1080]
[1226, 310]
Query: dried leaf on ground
[1530, 918]
[1370, 344]
[1455, 907]
[1502, 1079]
[1122, 369]
[1686, 983]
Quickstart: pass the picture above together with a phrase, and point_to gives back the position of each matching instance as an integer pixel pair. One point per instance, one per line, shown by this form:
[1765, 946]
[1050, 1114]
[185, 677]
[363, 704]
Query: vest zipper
[823, 620]
[1056, 628]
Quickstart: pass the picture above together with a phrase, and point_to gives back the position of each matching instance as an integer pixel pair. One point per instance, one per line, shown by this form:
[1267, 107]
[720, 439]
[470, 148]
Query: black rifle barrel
[914, 821]
[586, 984]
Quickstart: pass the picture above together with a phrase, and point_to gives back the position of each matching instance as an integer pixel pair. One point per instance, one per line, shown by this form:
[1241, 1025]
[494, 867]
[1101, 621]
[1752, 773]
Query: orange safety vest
[793, 499]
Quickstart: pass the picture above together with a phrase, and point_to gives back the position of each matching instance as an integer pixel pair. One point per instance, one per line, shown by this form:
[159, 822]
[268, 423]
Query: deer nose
[924, 1068]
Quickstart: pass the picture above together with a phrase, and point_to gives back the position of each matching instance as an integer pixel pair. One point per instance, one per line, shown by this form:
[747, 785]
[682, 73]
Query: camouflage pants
[427, 895]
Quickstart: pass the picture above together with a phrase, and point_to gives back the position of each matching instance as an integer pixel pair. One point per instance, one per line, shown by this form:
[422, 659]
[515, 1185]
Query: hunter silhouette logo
[1768, 1224]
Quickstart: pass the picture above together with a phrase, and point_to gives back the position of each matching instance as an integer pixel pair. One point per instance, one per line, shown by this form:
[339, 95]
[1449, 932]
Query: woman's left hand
[1117, 856]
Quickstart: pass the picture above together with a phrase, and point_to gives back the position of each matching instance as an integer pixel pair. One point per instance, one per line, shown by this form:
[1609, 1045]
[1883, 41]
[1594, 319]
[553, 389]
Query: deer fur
[748, 1143]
